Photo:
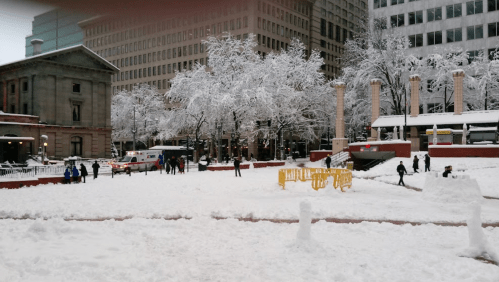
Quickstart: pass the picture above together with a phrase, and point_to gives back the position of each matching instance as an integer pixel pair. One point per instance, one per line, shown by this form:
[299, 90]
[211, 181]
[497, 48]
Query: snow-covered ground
[484, 170]
[202, 248]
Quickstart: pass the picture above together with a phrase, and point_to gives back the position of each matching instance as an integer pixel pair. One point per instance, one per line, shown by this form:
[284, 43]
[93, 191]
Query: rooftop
[475, 117]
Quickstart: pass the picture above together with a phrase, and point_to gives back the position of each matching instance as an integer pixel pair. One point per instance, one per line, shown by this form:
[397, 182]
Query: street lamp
[44, 139]
[218, 125]
[134, 129]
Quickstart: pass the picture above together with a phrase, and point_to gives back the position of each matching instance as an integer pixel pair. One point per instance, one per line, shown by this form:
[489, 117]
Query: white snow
[305, 221]
[457, 189]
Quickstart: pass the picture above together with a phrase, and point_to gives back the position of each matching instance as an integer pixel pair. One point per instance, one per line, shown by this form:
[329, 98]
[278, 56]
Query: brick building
[65, 95]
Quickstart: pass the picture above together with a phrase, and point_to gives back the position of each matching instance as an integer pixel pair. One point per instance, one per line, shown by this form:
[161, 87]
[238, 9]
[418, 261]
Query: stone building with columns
[65, 95]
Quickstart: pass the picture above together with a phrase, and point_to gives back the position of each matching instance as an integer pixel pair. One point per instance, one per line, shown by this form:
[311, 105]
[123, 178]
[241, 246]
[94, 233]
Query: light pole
[134, 130]
[405, 115]
[43, 140]
[218, 125]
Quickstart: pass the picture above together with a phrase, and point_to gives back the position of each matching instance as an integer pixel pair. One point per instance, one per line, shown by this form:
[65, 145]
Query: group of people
[173, 163]
[415, 165]
[76, 173]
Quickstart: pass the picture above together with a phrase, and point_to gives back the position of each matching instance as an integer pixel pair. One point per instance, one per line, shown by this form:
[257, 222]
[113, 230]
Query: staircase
[337, 159]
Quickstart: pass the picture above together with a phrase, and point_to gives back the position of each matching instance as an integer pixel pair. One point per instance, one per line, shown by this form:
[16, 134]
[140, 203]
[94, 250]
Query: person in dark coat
[236, 166]
[426, 162]
[208, 160]
[401, 169]
[76, 173]
[167, 168]
[415, 164]
[448, 170]
[84, 172]
[173, 164]
[328, 162]
[95, 167]
[227, 158]
[67, 176]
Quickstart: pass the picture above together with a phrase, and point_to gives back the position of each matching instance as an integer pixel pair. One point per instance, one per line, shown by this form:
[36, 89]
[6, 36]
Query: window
[493, 29]
[76, 112]
[12, 108]
[25, 108]
[434, 37]
[379, 3]
[434, 14]
[323, 27]
[474, 7]
[416, 17]
[472, 55]
[416, 40]
[76, 146]
[454, 35]
[492, 5]
[454, 11]
[474, 32]
[12, 89]
[395, 2]
[25, 86]
[397, 20]
[76, 88]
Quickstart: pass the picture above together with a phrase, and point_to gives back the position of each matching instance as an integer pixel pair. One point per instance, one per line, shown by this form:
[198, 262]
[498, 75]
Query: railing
[30, 172]
[341, 177]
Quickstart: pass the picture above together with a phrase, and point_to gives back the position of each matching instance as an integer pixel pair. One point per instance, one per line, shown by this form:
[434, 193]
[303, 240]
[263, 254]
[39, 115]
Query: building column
[95, 105]
[17, 95]
[340, 141]
[414, 80]
[61, 104]
[95, 145]
[4, 84]
[375, 90]
[108, 94]
[458, 76]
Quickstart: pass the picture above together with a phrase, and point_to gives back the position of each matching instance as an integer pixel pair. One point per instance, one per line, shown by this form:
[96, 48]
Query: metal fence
[31, 172]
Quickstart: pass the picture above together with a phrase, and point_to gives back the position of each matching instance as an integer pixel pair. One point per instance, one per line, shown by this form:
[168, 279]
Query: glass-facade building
[58, 29]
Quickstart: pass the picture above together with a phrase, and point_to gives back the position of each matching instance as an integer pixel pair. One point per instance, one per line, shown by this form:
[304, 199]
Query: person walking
[426, 162]
[328, 162]
[67, 176]
[401, 169]
[167, 168]
[415, 164]
[76, 173]
[84, 172]
[237, 162]
[95, 167]
[173, 164]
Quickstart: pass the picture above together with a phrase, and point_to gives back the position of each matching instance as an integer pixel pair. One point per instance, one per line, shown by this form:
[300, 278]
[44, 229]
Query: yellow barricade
[341, 177]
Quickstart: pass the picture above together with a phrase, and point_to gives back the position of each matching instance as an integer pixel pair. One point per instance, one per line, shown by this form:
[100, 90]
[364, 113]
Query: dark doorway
[76, 146]
[10, 151]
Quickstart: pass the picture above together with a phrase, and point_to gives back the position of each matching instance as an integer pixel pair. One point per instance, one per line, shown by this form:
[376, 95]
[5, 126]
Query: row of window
[165, 25]
[281, 30]
[282, 15]
[435, 14]
[167, 38]
[160, 84]
[454, 10]
[454, 35]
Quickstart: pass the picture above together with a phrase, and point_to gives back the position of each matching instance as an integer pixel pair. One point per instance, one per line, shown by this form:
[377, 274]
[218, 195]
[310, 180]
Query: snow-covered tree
[374, 54]
[485, 79]
[146, 104]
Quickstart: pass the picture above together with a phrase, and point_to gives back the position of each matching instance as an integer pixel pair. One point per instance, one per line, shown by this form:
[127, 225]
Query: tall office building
[150, 50]
[58, 29]
[470, 25]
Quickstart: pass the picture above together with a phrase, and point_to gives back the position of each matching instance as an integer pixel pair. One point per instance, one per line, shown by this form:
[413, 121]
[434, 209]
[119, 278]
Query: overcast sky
[16, 17]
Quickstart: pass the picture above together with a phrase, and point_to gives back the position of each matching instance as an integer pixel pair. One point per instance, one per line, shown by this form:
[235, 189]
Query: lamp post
[218, 125]
[187, 150]
[134, 130]
[405, 115]
[43, 138]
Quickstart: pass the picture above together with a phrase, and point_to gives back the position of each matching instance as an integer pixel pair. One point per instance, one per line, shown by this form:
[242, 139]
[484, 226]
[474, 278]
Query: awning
[16, 139]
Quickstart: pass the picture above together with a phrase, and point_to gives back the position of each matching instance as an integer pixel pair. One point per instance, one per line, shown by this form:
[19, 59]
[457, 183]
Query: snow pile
[305, 221]
[461, 189]
[479, 245]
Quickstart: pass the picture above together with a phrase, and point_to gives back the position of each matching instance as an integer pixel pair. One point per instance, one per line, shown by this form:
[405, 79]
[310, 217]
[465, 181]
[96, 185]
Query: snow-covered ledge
[386, 142]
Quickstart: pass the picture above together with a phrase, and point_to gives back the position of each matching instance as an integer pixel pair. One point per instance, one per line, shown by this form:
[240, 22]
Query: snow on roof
[14, 138]
[475, 117]
[483, 129]
[61, 51]
[385, 142]
[457, 71]
[169, 148]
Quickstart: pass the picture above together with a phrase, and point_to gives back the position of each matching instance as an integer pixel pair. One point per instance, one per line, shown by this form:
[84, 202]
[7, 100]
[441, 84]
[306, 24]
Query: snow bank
[455, 189]
[305, 221]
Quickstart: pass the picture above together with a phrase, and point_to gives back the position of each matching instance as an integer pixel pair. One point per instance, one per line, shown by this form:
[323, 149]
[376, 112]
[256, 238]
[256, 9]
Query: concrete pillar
[4, 84]
[107, 89]
[95, 103]
[60, 104]
[458, 76]
[17, 96]
[414, 79]
[340, 141]
[375, 90]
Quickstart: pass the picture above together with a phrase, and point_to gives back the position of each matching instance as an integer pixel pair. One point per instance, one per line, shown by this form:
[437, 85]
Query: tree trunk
[486, 97]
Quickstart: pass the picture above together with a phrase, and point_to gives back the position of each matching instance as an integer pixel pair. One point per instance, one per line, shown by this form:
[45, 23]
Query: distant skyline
[16, 17]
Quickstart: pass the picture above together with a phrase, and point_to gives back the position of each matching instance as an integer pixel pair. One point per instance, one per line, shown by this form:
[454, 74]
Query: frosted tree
[231, 61]
[374, 54]
[295, 94]
[146, 104]
[485, 79]
[192, 94]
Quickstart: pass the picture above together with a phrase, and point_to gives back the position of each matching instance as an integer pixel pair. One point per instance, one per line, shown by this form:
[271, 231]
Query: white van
[138, 161]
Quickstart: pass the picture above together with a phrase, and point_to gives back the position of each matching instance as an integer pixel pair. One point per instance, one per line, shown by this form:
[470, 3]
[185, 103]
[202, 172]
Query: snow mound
[455, 189]
[305, 221]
